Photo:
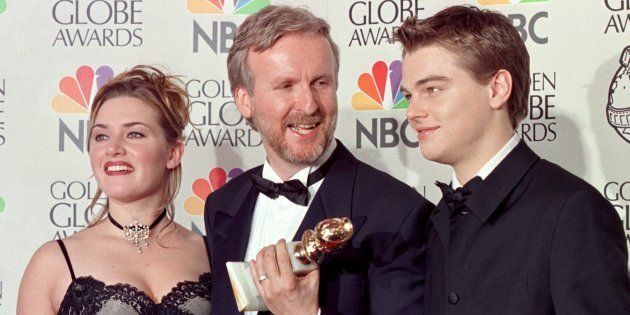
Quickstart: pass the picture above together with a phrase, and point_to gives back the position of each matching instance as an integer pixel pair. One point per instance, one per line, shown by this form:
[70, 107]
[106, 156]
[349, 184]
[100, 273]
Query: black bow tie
[455, 198]
[293, 189]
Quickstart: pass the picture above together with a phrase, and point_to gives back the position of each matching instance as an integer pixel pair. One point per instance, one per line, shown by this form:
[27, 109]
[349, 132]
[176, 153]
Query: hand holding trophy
[330, 235]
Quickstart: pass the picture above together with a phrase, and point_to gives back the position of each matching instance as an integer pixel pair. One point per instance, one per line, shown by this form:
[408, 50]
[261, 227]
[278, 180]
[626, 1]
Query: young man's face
[448, 108]
[294, 101]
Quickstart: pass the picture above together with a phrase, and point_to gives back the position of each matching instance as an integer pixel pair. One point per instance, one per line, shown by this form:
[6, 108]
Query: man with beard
[514, 233]
[283, 69]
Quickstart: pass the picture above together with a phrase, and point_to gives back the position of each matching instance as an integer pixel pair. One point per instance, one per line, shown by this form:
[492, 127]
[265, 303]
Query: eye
[100, 137]
[135, 134]
[433, 89]
[322, 83]
[407, 96]
[285, 86]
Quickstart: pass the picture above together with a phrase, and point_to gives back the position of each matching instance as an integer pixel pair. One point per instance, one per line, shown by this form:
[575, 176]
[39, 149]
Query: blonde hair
[163, 93]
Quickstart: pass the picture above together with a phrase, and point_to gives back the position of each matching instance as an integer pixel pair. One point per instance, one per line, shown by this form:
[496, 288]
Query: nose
[416, 110]
[115, 147]
[308, 102]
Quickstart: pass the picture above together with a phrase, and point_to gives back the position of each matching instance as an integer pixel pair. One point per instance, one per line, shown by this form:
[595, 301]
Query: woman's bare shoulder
[42, 279]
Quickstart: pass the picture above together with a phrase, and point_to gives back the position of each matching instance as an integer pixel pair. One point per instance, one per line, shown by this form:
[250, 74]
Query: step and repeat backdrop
[55, 54]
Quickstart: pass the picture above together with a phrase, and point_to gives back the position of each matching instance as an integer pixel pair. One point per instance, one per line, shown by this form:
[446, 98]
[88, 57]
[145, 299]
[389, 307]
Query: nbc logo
[377, 91]
[495, 2]
[77, 91]
[202, 187]
[226, 6]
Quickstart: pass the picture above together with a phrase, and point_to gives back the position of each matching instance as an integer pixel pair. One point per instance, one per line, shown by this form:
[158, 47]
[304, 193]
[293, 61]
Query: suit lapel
[314, 215]
[334, 197]
[501, 182]
[233, 222]
[440, 220]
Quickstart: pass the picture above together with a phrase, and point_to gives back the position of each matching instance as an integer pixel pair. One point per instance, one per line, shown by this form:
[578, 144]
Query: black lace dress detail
[86, 295]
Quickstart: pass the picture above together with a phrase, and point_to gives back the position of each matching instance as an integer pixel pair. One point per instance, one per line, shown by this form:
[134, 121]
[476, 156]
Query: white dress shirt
[280, 218]
[493, 162]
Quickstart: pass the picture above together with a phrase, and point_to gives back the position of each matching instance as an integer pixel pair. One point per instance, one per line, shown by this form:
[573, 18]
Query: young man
[523, 236]
[283, 69]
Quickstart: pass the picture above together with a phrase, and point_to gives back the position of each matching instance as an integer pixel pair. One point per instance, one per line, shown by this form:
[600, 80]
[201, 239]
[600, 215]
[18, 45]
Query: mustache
[302, 119]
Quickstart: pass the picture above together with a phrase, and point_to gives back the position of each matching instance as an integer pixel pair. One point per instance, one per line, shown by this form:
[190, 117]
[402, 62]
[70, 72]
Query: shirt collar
[302, 175]
[493, 162]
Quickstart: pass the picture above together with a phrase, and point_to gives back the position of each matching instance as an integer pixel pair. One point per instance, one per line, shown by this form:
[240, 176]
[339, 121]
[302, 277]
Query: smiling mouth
[118, 169]
[303, 129]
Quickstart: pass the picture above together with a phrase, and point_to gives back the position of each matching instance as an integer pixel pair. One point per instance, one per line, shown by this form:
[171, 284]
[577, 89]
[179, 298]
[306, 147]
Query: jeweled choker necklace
[137, 234]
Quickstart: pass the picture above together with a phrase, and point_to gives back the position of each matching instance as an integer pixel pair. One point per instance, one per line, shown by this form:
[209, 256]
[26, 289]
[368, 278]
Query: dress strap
[65, 255]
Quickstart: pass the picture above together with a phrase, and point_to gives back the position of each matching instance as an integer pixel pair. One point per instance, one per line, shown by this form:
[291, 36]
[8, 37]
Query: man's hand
[283, 291]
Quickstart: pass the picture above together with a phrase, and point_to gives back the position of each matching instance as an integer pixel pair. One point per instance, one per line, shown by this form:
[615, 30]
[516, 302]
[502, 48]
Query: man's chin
[431, 154]
[302, 156]
[303, 153]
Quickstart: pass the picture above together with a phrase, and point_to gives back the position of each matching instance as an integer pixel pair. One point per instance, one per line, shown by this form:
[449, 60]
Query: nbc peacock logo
[202, 188]
[380, 89]
[496, 2]
[76, 92]
[226, 6]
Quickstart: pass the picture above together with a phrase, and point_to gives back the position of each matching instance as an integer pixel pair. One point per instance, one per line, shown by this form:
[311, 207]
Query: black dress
[86, 295]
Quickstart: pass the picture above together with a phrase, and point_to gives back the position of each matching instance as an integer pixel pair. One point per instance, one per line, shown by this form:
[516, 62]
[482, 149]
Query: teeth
[119, 168]
[302, 129]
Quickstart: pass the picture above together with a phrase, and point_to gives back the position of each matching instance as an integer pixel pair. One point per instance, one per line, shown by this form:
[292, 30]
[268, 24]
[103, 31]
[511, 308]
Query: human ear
[500, 88]
[243, 101]
[175, 154]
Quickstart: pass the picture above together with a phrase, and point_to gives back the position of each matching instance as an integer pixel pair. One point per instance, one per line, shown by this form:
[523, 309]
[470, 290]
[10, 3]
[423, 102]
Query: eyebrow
[126, 125]
[431, 78]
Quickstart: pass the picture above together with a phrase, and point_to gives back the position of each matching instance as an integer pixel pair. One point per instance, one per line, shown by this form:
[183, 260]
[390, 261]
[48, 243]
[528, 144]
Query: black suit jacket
[381, 269]
[538, 240]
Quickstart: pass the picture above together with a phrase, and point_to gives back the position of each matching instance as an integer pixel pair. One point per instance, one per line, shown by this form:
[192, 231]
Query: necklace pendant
[137, 234]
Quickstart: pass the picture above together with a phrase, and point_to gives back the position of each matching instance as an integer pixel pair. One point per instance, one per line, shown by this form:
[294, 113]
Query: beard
[277, 142]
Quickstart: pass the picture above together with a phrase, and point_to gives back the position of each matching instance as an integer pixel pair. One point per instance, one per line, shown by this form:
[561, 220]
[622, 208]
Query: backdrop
[56, 53]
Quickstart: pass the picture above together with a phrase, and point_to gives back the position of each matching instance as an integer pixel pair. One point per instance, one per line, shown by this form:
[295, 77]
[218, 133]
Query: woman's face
[129, 154]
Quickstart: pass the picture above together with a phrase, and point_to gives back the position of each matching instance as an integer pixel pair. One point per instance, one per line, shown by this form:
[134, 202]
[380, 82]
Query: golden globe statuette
[330, 235]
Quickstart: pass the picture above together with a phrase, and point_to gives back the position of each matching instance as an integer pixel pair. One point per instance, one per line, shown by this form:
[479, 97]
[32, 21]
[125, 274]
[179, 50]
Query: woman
[132, 259]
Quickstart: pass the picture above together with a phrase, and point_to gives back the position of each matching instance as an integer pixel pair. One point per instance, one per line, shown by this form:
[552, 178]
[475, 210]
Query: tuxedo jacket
[380, 271]
[537, 240]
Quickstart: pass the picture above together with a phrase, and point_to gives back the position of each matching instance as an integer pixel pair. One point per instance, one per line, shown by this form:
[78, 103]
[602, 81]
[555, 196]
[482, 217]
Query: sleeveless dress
[86, 295]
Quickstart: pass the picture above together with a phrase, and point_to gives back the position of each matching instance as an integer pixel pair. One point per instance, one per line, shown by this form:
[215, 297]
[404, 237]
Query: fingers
[253, 270]
[282, 291]
[270, 262]
[284, 262]
[264, 269]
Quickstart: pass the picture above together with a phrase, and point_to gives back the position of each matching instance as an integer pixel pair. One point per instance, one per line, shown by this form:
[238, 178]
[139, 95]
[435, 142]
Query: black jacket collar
[495, 188]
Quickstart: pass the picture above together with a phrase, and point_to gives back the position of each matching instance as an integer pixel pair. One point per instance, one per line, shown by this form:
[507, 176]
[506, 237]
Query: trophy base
[245, 292]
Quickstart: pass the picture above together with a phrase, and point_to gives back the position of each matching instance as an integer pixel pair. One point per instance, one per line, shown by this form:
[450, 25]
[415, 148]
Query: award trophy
[330, 235]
